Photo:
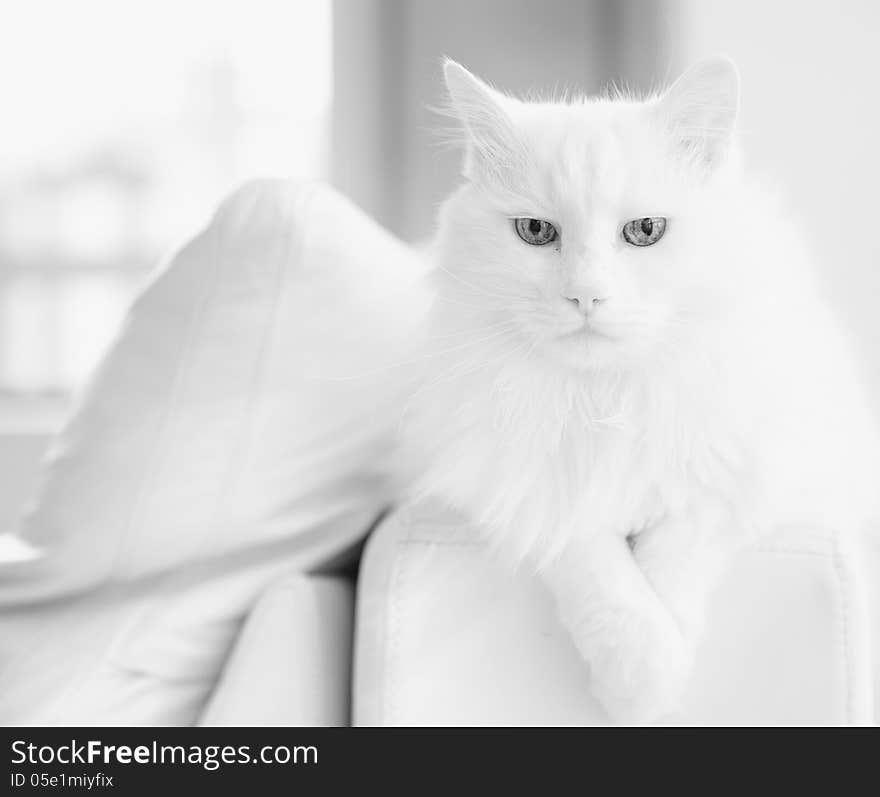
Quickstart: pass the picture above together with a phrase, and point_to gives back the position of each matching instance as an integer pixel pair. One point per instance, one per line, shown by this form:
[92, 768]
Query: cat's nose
[588, 301]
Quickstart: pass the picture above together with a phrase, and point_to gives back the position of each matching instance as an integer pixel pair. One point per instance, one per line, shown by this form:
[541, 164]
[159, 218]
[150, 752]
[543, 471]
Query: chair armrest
[447, 636]
[291, 664]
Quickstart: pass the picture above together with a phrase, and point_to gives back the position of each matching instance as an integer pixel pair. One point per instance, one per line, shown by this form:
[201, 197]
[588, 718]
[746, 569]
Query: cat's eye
[644, 232]
[535, 231]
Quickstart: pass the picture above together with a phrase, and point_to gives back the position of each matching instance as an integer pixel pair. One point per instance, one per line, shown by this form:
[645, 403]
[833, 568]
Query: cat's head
[590, 231]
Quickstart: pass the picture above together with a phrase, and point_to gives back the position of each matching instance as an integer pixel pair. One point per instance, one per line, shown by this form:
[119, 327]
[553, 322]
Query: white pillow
[248, 401]
[235, 431]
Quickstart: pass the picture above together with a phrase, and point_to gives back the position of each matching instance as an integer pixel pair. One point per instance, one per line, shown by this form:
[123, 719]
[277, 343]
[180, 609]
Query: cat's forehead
[589, 134]
[591, 152]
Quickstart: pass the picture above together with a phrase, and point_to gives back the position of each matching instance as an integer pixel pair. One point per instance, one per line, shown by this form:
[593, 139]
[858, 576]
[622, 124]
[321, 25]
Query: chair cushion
[291, 664]
[447, 636]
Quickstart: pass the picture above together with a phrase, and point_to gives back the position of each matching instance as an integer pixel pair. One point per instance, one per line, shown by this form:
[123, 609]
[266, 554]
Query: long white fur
[709, 398]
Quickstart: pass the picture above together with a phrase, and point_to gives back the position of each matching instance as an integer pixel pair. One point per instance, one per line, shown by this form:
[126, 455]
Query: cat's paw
[639, 666]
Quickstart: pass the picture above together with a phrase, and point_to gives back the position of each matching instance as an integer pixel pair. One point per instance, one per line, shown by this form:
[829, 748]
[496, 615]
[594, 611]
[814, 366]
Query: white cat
[633, 372]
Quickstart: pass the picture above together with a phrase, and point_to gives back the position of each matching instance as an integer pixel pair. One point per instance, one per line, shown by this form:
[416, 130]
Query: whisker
[476, 288]
[469, 343]
[472, 331]
[416, 360]
[468, 367]
[480, 307]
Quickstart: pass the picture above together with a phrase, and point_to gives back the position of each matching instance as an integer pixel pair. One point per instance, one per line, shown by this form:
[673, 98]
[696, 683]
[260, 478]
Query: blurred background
[125, 123]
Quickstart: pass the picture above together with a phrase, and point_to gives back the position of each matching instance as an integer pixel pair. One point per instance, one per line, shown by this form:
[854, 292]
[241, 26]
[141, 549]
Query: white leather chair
[444, 635]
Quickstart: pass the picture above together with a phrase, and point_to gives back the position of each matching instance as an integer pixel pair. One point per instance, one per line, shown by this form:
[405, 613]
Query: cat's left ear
[701, 107]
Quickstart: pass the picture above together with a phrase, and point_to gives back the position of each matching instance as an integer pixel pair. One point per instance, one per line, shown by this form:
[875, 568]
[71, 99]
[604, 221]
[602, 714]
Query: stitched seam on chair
[401, 563]
[392, 640]
[841, 582]
[848, 663]
[446, 543]
[842, 611]
[391, 643]
[243, 447]
[183, 367]
[787, 550]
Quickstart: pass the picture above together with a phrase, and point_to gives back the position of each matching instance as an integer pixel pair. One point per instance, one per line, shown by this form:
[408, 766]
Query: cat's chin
[586, 350]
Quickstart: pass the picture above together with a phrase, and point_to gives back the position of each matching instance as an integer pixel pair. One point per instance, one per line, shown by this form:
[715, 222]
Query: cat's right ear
[491, 140]
[701, 107]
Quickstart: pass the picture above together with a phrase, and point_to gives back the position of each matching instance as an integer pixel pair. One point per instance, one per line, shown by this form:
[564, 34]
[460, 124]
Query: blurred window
[123, 126]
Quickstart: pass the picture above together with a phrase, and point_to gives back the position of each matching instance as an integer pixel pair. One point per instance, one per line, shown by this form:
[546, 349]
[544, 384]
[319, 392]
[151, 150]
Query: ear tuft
[460, 83]
[492, 143]
[701, 107]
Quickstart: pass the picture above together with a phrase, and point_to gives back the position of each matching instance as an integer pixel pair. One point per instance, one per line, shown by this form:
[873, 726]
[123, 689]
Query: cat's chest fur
[537, 457]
